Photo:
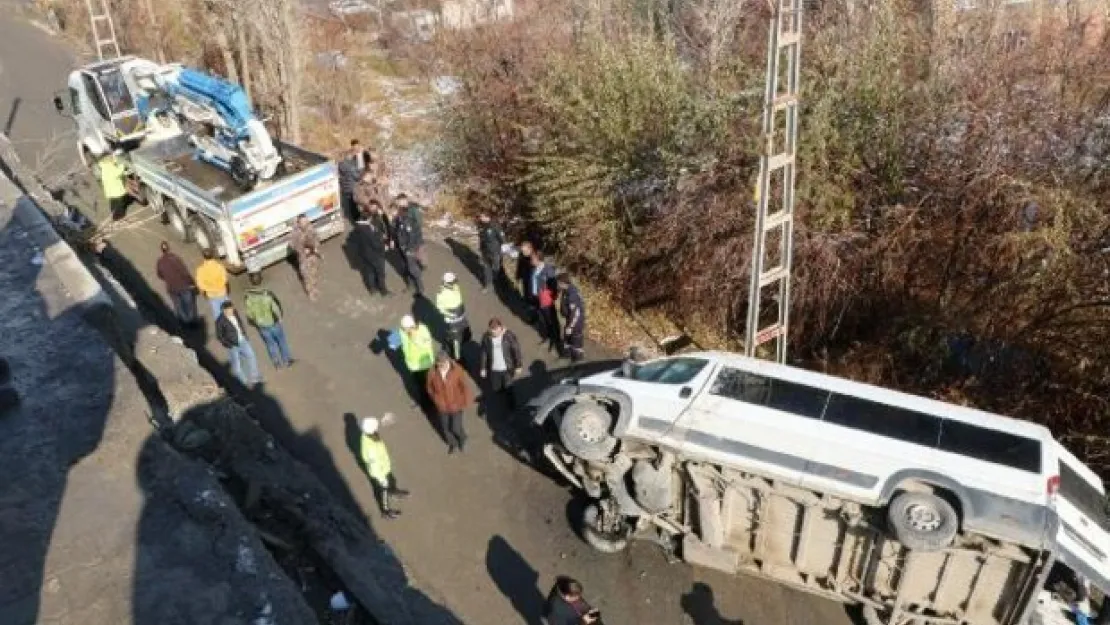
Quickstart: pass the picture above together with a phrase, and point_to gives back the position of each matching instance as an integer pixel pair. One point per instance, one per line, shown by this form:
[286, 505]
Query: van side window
[93, 91]
[1083, 495]
[804, 401]
[883, 420]
[990, 445]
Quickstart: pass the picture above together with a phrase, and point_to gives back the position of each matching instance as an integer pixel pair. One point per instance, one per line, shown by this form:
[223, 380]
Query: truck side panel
[839, 549]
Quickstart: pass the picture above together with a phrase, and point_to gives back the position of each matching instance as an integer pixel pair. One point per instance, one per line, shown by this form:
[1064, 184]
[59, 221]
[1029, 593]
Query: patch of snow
[446, 85]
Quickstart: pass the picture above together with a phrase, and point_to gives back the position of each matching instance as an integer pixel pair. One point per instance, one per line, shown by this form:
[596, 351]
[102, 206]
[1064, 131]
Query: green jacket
[262, 307]
[376, 458]
[419, 350]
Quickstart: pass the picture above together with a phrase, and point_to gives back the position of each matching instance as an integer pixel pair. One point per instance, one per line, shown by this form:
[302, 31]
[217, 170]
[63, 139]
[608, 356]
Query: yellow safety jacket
[376, 458]
[449, 302]
[418, 348]
[111, 178]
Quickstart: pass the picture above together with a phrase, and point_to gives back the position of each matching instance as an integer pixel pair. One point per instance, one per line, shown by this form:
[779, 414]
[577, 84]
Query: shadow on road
[516, 579]
[700, 605]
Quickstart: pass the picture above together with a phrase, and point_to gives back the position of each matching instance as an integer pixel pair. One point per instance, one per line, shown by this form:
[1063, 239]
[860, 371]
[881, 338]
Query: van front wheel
[922, 521]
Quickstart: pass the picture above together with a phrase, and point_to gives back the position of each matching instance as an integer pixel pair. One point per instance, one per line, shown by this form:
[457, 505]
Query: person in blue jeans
[230, 334]
[264, 311]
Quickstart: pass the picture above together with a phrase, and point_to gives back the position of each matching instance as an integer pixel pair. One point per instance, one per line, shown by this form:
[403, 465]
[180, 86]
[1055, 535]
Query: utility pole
[103, 30]
[774, 218]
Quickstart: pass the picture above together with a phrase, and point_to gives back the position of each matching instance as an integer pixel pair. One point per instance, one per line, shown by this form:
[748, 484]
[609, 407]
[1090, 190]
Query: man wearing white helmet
[418, 350]
[449, 302]
[375, 458]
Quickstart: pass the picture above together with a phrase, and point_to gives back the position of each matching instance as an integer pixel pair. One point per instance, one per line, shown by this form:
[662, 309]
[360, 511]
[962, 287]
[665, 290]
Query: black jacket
[569, 302]
[225, 331]
[407, 234]
[371, 238]
[510, 347]
[349, 174]
[490, 240]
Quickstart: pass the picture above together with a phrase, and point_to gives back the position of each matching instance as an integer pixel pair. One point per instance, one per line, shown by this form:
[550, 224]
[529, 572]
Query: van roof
[880, 394]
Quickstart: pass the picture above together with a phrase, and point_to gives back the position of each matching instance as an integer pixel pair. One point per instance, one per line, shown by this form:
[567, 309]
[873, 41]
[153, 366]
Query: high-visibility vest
[111, 178]
[449, 301]
[376, 458]
[418, 349]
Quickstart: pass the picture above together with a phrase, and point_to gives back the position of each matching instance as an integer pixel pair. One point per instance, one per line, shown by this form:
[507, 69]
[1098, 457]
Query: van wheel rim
[923, 518]
[591, 429]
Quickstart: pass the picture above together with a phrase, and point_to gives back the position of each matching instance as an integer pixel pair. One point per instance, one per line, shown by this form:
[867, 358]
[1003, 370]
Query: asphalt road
[485, 532]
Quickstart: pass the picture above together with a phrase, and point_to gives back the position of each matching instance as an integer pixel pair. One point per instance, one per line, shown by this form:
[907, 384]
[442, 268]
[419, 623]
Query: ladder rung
[784, 101]
[774, 275]
[788, 39]
[779, 161]
[776, 220]
[101, 17]
[104, 43]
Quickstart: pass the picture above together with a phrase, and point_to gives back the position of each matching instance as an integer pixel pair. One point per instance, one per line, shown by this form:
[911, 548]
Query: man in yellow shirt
[212, 282]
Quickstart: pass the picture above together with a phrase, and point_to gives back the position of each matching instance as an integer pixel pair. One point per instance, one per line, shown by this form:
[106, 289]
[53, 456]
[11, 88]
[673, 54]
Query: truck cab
[103, 107]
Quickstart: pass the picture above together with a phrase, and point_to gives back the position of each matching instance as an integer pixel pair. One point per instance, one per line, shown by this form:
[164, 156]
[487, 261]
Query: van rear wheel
[922, 521]
[204, 234]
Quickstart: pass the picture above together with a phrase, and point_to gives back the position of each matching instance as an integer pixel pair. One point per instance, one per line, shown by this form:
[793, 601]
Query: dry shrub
[951, 202]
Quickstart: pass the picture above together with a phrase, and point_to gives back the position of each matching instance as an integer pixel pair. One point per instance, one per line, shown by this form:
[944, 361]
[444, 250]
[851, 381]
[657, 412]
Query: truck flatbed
[178, 157]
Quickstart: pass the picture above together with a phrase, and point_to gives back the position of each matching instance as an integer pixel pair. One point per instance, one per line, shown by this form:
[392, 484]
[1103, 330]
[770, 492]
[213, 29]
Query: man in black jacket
[565, 605]
[501, 360]
[230, 334]
[372, 240]
[490, 240]
[350, 171]
[409, 239]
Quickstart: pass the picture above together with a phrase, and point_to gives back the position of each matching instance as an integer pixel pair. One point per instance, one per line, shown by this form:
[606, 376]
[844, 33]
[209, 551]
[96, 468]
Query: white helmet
[370, 426]
[449, 278]
[407, 322]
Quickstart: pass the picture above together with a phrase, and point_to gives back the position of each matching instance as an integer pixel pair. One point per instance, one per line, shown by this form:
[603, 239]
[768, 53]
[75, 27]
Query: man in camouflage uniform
[306, 245]
[369, 189]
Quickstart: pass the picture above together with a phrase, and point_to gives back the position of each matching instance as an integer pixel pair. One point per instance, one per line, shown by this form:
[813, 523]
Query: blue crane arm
[226, 98]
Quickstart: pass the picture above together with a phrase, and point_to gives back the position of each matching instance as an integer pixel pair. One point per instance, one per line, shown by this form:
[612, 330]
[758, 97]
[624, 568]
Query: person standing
[113, 180]
[368, 190]
[448, 390]
[180, 286]
[229, 332]
[542, 275]
[566, 606]
[375, 458]
[415, 213]
[449, 302]
[409, 239]
[524, 276]
[211, 280]
[350, 170]
[574, 316]
[371, 241]
[418, 350]
[501, 360]
[490, 241]
[549, 318]
[264, 311]
[306, 244]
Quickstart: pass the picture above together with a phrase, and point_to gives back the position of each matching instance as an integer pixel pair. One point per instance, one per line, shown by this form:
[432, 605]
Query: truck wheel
[176, 221]
[922, 521]
[584, 431]
[871, 615]
[203, 233]
[596, 533]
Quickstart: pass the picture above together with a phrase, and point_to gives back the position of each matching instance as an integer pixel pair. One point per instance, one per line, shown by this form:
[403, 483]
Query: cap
[448, 278]
[408, 322]
[370, 425]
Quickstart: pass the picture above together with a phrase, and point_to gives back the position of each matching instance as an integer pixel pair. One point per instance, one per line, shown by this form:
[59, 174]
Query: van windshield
[668, 371]
[1084, 496]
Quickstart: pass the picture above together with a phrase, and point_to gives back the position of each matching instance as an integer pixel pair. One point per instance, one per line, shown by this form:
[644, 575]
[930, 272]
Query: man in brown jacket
[447, 387]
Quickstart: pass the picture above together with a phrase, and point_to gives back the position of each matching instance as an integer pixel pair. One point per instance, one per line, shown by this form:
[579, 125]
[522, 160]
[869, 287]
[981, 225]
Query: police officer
[408, 237]
[371, 240]
[449, 302]
[574, 317]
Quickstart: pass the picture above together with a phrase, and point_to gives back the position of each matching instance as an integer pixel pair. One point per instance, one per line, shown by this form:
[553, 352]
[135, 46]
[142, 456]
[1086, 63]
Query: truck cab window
[115, 90]
[92, 89]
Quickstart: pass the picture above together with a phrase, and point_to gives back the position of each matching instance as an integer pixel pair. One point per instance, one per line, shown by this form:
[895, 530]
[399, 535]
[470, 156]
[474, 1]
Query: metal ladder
[99, 20]
[778, 157]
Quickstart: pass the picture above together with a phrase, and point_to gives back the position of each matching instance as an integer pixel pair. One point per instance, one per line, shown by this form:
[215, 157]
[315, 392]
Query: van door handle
[685, 392]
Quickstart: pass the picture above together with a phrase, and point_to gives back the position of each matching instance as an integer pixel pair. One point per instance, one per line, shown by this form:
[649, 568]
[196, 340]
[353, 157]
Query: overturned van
[919, 510]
